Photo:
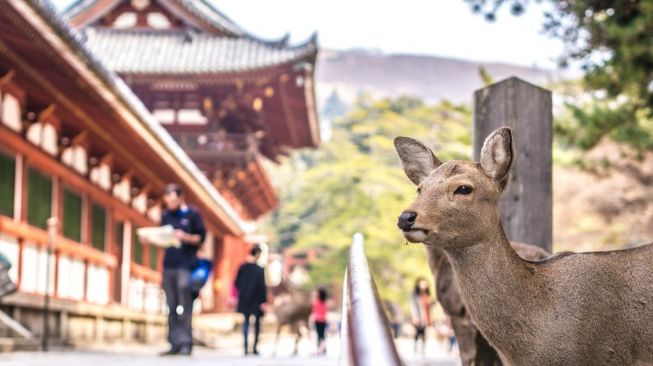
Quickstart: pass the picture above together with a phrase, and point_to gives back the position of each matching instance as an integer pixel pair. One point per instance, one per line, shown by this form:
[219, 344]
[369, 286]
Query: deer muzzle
[406, 220]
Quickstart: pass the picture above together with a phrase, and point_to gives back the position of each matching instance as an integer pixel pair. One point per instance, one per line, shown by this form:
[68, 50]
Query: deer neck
[436, 257]
[497, 287]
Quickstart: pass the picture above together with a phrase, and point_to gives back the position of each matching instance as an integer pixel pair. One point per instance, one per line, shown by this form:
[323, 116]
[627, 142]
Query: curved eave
[304, 62]
[311, 107]
[309, 94]
[265, 192]
[41, 16]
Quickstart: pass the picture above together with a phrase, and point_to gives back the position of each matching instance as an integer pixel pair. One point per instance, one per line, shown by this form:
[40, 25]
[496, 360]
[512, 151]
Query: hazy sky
[432, 27]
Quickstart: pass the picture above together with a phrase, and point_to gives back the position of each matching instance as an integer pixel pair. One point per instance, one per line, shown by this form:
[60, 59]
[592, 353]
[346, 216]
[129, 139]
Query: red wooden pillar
[220, 303]
[229, 266]
[229, 256]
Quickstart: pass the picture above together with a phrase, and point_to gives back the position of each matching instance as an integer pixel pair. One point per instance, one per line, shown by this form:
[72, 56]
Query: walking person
[420, 306]
[320, 318]
[445, 332]
[396, 317]
[252, 296]
[178, 263]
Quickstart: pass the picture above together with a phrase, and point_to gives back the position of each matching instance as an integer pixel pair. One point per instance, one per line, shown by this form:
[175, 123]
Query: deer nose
[406, 220]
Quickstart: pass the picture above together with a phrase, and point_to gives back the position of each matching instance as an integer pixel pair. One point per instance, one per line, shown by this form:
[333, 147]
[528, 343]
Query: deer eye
[419, 190]
[464, 189]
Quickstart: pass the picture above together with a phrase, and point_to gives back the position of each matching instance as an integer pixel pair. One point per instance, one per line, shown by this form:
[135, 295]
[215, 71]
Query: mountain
[430, 78]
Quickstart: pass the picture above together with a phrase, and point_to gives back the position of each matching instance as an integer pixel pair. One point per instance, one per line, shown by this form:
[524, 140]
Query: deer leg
[276, 340]
[485, 354]
[298, 335]
[466, 334]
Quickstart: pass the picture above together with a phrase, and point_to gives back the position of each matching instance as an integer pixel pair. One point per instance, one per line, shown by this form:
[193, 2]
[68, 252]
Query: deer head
[456, 202]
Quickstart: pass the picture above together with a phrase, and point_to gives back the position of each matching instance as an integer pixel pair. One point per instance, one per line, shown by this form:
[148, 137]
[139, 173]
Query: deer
[593, 308]
[474, 348]
[292, 307]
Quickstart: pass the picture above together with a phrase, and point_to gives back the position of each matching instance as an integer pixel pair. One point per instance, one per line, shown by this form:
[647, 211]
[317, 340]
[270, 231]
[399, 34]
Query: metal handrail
[365, 335]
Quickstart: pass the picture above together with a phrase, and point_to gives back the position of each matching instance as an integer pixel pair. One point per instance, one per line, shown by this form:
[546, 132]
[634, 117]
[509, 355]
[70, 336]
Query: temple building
[100, 107]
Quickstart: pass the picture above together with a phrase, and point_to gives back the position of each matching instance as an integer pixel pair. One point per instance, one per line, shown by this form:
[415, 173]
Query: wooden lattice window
[39, 198]
[98, 227]
[7, 184]
[118, 238]
[154, 256]
[118, 233]
[137, 249]
[72, 215]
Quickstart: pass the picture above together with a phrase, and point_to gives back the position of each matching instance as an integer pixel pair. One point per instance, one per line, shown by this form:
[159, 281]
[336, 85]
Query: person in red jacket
[320, 318]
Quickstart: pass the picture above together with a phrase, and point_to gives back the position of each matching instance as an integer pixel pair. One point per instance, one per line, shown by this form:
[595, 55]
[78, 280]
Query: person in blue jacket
[178, 263]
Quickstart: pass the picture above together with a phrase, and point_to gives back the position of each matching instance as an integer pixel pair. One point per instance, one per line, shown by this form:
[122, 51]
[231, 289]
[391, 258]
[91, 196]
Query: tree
[612, 41]
[355, 183]
[334, 107]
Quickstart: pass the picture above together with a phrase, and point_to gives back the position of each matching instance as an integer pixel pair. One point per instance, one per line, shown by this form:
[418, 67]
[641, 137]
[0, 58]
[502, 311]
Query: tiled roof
[183, 51]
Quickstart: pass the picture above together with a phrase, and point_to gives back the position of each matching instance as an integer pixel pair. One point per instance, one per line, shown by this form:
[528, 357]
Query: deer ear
[417, 159]
[497, 155]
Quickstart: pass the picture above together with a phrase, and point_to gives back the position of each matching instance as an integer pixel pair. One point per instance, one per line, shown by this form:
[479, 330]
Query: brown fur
[292, 307]
[474, 348]
[576, 309]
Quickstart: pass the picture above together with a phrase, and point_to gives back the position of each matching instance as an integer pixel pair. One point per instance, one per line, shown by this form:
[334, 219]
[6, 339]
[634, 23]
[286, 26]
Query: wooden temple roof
[201, 59]
[178, 51]
[48, 51]
[201, 46]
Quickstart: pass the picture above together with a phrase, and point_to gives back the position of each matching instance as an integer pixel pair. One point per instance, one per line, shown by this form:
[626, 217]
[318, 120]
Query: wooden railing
[216, 145]
[365, 334]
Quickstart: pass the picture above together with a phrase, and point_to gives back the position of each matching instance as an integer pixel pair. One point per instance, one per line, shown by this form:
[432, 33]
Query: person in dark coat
[252, 295]
[178, 263]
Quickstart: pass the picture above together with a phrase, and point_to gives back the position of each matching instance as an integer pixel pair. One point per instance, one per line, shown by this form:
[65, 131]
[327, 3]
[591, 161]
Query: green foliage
[588, 123]
[355, 183]
[485, 76]
[612, 42]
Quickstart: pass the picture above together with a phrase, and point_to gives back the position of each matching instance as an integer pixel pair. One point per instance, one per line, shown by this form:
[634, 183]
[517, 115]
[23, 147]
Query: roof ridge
[203, 9]
[76, 7]
[232, 25]
[239, 31]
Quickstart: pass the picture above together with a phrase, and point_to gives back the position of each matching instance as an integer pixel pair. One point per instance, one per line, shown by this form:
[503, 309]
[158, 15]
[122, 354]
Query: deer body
[292, 309]
[571, 309]
[578, 309]
[474, 348]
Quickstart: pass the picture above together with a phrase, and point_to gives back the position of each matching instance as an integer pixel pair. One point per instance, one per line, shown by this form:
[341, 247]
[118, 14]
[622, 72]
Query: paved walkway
[228, 353]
